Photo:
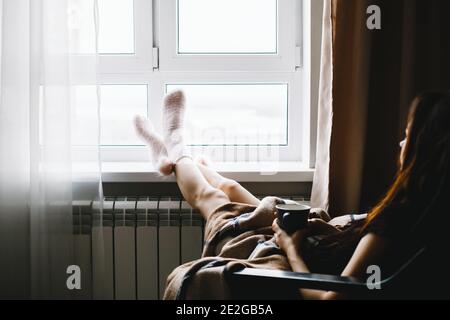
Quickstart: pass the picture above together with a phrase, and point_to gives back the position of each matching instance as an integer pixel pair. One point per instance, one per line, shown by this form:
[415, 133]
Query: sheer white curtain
[49, 143]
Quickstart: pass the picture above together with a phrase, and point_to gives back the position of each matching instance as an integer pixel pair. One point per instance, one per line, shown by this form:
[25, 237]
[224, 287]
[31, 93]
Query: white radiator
[128, 253]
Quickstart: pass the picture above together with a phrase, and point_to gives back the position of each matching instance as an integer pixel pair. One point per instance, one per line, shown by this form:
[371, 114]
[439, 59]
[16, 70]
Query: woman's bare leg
[234, 191]
[196, 190]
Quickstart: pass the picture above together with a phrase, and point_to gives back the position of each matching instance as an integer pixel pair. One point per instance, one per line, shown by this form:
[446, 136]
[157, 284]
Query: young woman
[398, 224]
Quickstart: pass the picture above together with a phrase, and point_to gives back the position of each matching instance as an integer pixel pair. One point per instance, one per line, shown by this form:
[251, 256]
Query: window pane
[119, 105]
[116, 26]
[84, 101]
[236, 114]
[227, 26]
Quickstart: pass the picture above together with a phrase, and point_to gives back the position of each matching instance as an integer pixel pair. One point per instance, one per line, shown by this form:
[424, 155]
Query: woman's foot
[173, 125]
[158, 151]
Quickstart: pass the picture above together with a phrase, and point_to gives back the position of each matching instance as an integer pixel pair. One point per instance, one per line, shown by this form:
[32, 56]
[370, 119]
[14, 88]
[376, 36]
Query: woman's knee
[208, 193]
[229, 186]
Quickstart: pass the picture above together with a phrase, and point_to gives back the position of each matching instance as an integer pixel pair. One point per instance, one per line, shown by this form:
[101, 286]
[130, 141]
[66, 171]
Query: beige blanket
[236, 235]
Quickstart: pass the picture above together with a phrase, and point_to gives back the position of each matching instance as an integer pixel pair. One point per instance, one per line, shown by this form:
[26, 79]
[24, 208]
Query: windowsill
[115, 172]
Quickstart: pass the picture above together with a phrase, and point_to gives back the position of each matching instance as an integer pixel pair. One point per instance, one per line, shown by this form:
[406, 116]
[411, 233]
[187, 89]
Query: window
[226, 35]
[239, 62]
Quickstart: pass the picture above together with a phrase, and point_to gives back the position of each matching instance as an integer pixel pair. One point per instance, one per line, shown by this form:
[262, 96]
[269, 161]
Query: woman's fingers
[275, 226]
[319, 226]
[314, 223]
[320, 214]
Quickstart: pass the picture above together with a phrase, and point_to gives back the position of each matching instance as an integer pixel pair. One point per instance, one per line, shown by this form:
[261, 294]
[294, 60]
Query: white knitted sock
[173, 125]
[158, 151]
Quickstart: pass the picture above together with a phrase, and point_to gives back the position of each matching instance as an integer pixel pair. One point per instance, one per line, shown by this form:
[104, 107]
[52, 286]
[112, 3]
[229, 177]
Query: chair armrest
[300, 280]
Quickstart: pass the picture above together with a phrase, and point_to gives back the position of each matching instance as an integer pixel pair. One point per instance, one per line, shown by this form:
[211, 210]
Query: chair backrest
[421, 276]
[418, 278]
[425, 277]
[405, 268]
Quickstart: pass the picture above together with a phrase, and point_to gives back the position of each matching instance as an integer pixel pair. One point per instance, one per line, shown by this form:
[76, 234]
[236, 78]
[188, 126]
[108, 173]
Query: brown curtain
[375, 75]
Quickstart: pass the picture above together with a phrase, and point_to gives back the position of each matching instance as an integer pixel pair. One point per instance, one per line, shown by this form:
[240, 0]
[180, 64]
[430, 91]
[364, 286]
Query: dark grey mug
[293, 217]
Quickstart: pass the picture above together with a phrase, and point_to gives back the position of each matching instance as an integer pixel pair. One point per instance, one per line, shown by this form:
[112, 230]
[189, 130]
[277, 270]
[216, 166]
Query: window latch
[298, 57]
[155, 61]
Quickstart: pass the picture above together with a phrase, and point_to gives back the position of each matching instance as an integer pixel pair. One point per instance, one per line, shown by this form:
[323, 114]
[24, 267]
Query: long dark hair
[423, 180]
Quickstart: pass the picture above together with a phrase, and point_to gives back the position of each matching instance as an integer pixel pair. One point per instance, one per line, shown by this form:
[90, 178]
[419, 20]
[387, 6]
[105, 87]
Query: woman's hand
[292, 243]
[318, 226]
[289, 243]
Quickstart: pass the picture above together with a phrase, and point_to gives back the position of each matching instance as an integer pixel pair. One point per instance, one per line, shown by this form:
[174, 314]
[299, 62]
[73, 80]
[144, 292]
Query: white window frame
[171, 60]
[292, 68]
